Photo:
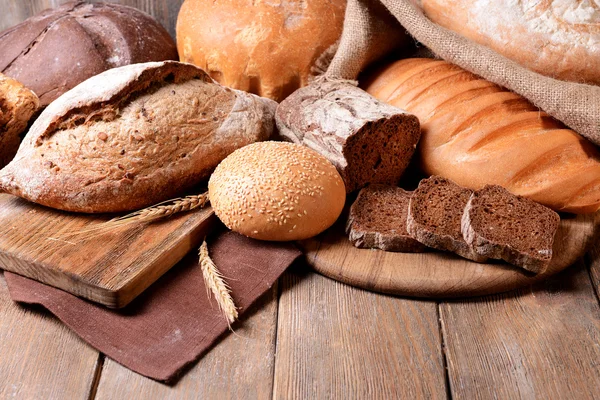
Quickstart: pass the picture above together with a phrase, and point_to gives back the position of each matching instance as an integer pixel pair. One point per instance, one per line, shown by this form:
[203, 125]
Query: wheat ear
[214, 281]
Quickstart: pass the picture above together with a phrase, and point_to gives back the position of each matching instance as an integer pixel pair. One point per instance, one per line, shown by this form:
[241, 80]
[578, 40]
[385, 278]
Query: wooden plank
[435, 274]
[40, 358]
[164, 11]
[535, 343]
[239, 366]
[335, 341]
[110, 268]
[593, 262]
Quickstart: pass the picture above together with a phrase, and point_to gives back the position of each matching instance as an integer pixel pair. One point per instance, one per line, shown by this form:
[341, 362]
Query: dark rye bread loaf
[378, 220]
[500, 225]
[57, 49]
[368, 141]
[133, 136]
[435, 213]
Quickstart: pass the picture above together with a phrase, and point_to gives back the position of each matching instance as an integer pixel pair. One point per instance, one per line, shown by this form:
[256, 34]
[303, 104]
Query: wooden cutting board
[439, 274]
[108, 268]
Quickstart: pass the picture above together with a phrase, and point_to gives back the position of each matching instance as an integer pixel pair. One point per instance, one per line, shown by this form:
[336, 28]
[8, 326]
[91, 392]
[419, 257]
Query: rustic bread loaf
[378, 220]
[133, 136]
[277, 191]
[267, 48]
[556, 38]
[57, 49]
[435, 213]
[17, 106]
[476, 133]
[498, 224]
[368, 141]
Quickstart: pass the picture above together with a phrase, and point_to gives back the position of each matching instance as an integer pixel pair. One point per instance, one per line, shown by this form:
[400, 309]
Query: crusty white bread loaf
[133, 136]
[557, 38]
[477, 133]
[17, 105]
[269, 48]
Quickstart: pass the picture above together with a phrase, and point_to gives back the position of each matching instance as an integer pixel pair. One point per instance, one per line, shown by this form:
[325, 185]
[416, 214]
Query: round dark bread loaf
[54, 51]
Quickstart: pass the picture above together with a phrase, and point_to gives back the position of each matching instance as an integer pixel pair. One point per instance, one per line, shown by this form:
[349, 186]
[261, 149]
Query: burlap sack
[368, 32]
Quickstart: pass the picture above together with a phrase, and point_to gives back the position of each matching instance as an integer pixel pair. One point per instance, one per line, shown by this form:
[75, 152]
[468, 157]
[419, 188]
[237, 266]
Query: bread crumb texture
[277, 191]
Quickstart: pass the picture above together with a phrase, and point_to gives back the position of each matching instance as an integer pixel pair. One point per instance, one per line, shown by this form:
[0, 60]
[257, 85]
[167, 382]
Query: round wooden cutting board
[438, 274]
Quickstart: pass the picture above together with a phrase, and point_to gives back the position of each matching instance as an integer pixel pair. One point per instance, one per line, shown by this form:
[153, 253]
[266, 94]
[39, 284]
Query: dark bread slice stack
[378, 220]
[498, 224]
[435, 213]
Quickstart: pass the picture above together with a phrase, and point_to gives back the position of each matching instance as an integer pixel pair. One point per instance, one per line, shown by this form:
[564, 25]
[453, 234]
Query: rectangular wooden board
[110, 268]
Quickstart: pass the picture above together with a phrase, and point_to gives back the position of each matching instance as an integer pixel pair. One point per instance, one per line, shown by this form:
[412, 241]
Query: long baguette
[477, 133]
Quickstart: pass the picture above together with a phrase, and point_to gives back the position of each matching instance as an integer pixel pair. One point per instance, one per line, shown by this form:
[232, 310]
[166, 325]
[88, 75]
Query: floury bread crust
[133, 136]
[57, 49]
[500, 225]
[378, 220]
[367, 140]
[17, 105]
[558, 38]
[277, 191]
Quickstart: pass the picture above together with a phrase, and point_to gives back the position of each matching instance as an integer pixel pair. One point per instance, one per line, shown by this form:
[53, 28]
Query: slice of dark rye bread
[378, 220]
[498, 224]
[435, 213]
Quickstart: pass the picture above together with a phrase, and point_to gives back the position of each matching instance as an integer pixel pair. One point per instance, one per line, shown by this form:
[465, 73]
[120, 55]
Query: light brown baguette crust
[17, 105]
[476, 133]
[133, 136]
[555, 38]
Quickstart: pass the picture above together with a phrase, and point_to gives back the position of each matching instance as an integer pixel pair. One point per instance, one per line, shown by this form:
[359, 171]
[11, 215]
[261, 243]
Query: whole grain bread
[378, 220]
[133, 136]
[367, 140]
[59, 48]
[435, 213]
[17, 105]
[498, 224]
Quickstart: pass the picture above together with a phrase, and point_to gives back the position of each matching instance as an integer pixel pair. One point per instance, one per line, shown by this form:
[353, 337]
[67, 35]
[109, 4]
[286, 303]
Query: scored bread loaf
[133, 136]
[17, 106]
[476, 133]
[378, 220]
[557, 38]
[367, 140]
[500, 225]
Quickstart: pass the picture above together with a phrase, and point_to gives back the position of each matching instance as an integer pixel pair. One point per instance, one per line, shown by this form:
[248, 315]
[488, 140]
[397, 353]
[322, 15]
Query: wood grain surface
[537, 343]
[438, 274]
[335, 341]
[240, 366]
[109, 268]
[13, 12]
[40, 358]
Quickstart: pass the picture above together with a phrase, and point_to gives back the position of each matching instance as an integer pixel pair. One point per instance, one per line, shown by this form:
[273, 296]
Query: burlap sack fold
[575, 104]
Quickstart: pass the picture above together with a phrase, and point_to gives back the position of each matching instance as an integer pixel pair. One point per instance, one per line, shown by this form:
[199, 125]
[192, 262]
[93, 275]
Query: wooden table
[314, 338]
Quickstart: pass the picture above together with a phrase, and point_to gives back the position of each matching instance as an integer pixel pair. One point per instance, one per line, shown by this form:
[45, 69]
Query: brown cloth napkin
[173, 322]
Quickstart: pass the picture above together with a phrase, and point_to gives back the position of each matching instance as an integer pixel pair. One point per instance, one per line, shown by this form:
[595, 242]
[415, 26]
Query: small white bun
[277, 191]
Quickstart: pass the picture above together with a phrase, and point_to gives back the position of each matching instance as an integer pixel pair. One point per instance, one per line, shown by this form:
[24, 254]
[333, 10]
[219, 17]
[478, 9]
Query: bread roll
[277, 191]
[477, 133]
[17, 106]
[132, 137]
[57, 49]
[265, 47]
[555, 37]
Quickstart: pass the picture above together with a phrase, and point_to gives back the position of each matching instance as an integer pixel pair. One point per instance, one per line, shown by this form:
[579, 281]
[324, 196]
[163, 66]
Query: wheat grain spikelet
[214, 281]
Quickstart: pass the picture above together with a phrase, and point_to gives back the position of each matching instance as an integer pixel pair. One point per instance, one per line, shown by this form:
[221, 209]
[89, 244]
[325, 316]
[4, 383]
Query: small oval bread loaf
[59, 48]
[269, 48]
[277, 191]
[133, 136]
[17, 106]
[476, 133]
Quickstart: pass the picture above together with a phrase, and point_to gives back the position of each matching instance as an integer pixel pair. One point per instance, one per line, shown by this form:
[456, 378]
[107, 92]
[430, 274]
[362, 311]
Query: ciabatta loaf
[557, 38]
[476, 133]
[133, 136]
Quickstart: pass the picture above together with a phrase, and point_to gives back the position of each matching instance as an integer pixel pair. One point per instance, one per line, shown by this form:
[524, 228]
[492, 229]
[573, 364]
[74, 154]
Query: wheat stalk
[214, 281]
